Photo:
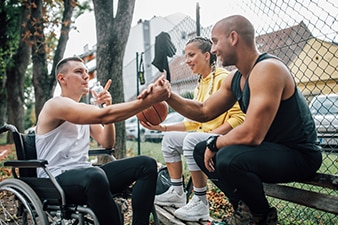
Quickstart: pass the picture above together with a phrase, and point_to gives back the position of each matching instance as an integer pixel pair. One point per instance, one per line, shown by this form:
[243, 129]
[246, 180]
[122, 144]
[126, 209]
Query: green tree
[10, 20]
[33, 30]
[16, 68]
[30, 119]
[112, 35]
[44, 82]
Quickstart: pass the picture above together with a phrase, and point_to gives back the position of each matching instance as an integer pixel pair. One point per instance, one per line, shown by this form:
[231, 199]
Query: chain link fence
[304, 35]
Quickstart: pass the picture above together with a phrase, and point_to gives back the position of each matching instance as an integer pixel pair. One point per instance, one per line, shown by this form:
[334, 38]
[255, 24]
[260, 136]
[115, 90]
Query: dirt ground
[5, 150]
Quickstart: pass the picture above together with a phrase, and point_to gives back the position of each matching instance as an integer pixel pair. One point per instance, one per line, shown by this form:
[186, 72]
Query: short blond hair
[61, 64]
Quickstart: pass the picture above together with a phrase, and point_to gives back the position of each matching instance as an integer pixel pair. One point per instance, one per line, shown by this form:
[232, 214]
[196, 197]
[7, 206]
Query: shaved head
[240, 25]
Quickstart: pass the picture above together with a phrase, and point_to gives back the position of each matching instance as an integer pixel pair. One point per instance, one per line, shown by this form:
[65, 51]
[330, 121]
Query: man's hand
[104, 96]
[208, 162]
[161, 89]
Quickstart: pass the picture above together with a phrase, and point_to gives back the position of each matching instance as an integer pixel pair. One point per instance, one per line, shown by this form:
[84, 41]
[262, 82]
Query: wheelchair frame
[41, 201]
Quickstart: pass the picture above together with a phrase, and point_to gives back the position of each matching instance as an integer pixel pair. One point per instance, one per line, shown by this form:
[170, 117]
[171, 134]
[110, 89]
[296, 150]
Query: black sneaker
[242, 216]
[270, 218]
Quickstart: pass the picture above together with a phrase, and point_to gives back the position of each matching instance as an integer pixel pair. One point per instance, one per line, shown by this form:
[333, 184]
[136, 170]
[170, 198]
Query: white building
[141, 41]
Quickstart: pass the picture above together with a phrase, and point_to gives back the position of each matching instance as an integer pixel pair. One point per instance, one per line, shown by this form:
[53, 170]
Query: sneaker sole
[193, 219]
[170, 204]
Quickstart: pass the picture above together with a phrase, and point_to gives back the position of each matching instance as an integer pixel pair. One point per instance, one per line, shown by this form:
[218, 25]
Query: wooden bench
[321, 201]
[166, 216]
[317, 200]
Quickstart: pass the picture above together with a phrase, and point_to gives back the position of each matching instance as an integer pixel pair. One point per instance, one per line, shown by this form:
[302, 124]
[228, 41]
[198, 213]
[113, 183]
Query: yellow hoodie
[234, 116]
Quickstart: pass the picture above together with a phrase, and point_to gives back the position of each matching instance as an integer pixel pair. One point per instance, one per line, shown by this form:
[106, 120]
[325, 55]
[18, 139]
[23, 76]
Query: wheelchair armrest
[101, 151]
[26, 163]
[36, 163]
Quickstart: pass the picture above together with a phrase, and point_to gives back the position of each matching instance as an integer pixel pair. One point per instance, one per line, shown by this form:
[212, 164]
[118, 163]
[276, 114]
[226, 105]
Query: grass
[153, 150]
[146, 148]
[330, 163]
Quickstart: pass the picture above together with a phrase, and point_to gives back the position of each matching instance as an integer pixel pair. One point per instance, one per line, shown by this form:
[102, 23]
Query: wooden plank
[324, 180]
[169, 209]
[327, 203]
[197, 223]
[166, 217]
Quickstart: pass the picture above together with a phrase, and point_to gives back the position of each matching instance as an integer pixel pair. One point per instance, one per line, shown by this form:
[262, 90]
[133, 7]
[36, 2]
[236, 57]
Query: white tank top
[65, 148]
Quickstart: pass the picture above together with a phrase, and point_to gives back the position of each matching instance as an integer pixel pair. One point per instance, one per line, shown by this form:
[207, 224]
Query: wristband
[211, 143]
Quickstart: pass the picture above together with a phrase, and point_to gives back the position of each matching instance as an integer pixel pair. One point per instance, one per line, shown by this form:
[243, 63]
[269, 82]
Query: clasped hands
[158, 91]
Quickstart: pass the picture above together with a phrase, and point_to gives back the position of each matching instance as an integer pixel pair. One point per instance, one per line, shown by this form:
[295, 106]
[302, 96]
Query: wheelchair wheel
[19, 204]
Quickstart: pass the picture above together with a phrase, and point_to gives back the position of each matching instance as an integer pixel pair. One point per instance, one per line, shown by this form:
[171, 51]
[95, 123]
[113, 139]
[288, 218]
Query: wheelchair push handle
[8, 127]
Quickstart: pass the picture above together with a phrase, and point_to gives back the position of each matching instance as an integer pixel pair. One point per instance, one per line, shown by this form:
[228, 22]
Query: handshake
[158, 91]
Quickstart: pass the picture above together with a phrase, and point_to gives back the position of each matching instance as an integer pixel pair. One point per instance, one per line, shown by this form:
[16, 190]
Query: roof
[286, 43]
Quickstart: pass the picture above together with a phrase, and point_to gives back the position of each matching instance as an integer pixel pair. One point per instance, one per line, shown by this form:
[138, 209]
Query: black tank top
[293, 125]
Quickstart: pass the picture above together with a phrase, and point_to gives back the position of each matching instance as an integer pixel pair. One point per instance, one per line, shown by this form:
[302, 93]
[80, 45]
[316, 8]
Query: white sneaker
[171, 198]
[195, 210]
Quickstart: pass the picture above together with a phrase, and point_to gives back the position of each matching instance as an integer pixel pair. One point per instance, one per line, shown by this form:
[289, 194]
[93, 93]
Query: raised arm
[218, 103]
[61, 109]
[104, 134]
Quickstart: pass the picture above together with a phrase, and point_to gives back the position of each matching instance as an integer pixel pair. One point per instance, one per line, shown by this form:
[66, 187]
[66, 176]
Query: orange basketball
[154, 114]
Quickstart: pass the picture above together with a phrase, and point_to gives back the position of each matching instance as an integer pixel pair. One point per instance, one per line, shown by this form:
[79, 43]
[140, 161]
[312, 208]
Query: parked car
[155, 135]
[132, 129]
[324, 109]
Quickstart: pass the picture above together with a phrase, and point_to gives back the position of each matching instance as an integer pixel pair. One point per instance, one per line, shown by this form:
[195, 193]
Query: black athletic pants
[95, 185]
[241, 169]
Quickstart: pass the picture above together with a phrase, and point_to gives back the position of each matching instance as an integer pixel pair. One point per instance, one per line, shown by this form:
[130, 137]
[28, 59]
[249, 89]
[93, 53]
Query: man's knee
[149, 164]
[229, 159]
[96, 176]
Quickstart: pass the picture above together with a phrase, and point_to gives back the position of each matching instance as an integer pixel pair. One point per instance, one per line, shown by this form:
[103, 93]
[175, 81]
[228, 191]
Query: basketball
[154, 114]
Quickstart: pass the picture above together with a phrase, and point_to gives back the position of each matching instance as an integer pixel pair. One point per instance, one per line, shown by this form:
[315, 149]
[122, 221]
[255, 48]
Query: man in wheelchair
[63, 134]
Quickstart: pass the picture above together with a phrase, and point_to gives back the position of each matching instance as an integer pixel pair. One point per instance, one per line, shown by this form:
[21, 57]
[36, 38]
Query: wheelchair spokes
[16, 209]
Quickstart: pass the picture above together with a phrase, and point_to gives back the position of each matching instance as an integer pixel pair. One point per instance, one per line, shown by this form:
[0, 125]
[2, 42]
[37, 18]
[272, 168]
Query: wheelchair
[29, 200]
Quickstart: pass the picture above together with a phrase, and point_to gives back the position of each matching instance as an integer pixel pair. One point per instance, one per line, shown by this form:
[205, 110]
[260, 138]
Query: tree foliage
[44, 82]
[32, 31]
[10, 15]
[38, 34]
[52, 22]
[15, 71]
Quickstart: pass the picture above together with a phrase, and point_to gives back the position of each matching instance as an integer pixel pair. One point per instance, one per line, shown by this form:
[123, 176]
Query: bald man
[277, 142]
